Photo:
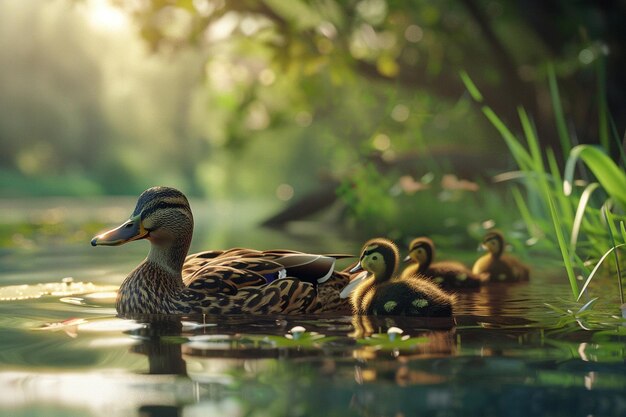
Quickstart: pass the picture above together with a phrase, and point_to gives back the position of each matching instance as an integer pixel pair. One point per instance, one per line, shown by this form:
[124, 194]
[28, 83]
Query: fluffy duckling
[383, 292]
[495, 266]
[447, 274]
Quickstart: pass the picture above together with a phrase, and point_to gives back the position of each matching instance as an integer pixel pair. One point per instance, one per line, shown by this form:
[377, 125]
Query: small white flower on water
[394, 332]
[296, 332]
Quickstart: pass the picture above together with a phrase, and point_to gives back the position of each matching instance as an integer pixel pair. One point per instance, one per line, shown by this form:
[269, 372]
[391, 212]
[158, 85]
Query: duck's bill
[127, 232]
[356, 268]
[352, 285]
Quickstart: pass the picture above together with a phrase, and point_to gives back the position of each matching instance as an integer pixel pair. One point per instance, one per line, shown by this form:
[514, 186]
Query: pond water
[505, 354]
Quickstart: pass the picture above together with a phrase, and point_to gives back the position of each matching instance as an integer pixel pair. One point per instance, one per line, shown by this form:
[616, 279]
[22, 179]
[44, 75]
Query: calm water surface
[505, 354]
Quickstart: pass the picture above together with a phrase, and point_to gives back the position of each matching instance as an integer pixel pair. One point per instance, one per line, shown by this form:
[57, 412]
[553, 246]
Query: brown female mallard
[495, 266]
[383, 292]
[215, 282]
[446, 274]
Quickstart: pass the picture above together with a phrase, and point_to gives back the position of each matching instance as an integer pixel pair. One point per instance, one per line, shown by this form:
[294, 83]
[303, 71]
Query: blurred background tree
[290, 100]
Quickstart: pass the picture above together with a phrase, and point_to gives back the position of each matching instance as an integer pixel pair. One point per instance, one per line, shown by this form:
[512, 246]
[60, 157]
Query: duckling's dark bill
[127, 232]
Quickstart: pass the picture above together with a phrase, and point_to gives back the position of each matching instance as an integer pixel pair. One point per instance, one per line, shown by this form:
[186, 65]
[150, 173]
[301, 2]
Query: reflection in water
[499, 356]
[218, 358]
[159, 411]
[163, 357]
[251, 361]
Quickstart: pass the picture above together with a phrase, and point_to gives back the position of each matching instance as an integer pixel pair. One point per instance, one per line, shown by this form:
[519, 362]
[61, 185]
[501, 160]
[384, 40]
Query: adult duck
[215, 282]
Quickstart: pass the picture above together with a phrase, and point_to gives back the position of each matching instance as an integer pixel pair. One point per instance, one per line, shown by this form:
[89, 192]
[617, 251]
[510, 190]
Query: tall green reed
[564, 202]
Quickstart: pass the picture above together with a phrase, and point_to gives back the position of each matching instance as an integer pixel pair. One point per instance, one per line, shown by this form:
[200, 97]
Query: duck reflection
[159, 411]
[169, 342]
[296, 362]
[164, 356]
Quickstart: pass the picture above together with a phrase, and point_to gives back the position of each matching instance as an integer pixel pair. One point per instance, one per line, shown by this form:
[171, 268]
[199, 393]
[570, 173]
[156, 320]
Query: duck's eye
[162, 204]
[374, 258]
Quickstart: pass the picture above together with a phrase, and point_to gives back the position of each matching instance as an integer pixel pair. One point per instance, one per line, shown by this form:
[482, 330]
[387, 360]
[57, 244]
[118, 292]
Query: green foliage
[611, 177]
[228, 85]
[20, 185]
[368, 198]
[559, 202]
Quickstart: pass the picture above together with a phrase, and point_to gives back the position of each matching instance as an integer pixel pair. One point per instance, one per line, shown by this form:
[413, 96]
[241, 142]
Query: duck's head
[380, 258]
[162, 215]
[421, 251]
[494, 242]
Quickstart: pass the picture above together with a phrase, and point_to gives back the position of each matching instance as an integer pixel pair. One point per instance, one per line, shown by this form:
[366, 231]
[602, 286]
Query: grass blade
[587, 305]
[558, 111]
[531, 138]
[609, 175]
[563, 246]
[580, 211]
[612, 232]
[524, 212]
[554, 166]
[471, 87]
[595, 269]
[619, 142]
[522, 157]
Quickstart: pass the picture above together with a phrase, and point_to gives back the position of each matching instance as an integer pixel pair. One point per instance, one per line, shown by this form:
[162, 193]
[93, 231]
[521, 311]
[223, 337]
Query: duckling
[383, 292]
[237, 280]
[495, 266]
[447, 275]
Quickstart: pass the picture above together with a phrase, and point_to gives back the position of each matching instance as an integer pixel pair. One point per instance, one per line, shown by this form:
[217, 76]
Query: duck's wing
[238, 273]
[266, 275]
[209, 254]
[242, 267]
[216, 255]
[285, 296]
[306, 267]
[294, 252]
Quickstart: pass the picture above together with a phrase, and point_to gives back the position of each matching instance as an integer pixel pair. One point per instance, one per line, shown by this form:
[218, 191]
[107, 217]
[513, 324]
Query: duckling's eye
[374, 258]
